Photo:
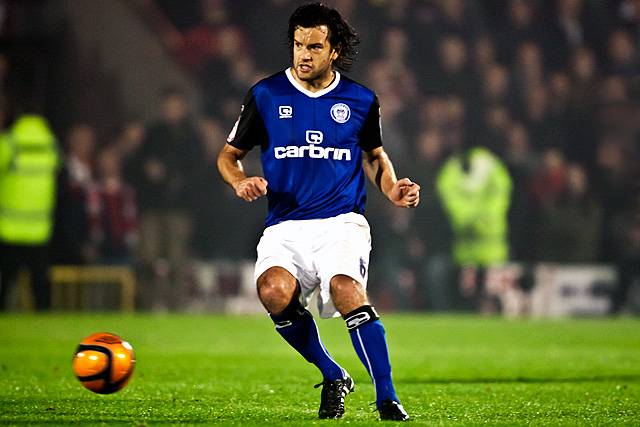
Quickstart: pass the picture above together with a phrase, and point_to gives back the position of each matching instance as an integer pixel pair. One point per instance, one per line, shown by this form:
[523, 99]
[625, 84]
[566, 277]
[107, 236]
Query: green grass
[449, 370]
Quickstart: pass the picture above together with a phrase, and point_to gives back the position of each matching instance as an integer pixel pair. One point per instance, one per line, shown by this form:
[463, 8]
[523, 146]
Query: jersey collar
[310, 94]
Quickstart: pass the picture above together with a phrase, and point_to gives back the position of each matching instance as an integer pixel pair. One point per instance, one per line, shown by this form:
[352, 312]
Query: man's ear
[335, 53]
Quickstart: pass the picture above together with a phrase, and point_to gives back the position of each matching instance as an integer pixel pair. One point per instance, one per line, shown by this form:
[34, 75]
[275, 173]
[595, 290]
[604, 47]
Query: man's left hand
[405, 193]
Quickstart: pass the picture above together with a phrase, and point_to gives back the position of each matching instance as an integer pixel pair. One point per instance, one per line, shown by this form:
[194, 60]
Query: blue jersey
[311, 144]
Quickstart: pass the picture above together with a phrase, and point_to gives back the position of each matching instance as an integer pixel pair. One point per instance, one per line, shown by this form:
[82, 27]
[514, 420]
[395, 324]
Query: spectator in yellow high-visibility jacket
[28, 165]
[475, 188]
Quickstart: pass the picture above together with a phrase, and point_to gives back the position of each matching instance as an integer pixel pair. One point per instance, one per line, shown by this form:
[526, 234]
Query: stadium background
[551, 87]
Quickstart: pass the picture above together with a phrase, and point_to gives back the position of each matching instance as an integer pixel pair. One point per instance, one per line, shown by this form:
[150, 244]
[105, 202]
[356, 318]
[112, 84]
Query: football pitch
[235, 370]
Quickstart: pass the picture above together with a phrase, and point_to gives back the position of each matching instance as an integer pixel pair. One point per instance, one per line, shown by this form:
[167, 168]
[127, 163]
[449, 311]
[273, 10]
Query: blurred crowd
[548, 90]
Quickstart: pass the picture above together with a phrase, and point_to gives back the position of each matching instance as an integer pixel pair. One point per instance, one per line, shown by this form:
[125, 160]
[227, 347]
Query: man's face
[174, 109]
[312, 53]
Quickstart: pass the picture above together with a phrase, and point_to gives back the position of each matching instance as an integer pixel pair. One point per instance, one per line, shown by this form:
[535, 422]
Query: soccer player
[319, 132]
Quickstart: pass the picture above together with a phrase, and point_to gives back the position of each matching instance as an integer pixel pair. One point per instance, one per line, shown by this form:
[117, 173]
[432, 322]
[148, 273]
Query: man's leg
[278, 291]
[38, 264]
[179, 228]
[153, 283]
[10, 263]
[368, 338]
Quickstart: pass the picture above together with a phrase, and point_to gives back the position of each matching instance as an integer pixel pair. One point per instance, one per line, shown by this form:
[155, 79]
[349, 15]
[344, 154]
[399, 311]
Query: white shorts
[314, 251]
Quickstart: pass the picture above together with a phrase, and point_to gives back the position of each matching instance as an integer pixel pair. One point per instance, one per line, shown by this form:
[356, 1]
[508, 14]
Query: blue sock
[368, 338]
[299, 329]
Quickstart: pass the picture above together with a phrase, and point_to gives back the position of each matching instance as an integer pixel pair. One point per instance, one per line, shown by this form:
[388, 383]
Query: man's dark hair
[171, 91]
[341, 35]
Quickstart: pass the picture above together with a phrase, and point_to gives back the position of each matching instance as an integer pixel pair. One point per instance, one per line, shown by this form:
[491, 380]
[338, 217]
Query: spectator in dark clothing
[614, 181]
[494, 127]
[623, 55]
[199, 42]
[227, 73]
[549, 181]
[557, 110]
[571, 24]
[71, 233]
[271, 54]
[127, 143]
[527, 73]
[495, 85]
[537, 114]
[522, 162]
[570, 225]
[395, 84]
[436, 273]
[580, 142]
[129, 138]
[625, 229]
[454, 75]
[484, 54]
[521, 26]
[112, 212]
[169, 164]
[460, 17]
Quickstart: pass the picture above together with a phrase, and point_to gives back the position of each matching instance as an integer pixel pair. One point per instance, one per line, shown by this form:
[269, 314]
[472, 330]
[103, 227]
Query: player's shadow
[526, 380]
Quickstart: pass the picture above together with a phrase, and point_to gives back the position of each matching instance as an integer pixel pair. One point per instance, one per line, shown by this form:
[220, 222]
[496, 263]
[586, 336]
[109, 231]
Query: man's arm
[230, 167]
[401, 192]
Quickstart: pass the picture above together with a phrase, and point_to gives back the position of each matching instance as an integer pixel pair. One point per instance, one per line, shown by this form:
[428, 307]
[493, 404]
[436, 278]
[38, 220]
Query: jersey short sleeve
[249, 130]
[371, 134]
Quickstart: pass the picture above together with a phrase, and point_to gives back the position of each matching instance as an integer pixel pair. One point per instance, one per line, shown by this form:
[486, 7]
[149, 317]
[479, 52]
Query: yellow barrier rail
[91, 274]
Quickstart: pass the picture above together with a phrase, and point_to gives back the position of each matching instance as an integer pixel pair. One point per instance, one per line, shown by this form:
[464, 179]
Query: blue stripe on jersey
[312, 159]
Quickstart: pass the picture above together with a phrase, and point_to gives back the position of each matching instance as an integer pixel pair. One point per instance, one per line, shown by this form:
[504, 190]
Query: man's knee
[347, 293]
[276, 289]
[350, 298]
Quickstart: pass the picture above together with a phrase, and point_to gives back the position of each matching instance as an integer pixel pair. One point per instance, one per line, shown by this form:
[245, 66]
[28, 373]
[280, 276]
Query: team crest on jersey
[340, 112]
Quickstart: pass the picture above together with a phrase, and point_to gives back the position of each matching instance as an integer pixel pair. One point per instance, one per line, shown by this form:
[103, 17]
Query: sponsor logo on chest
[314, 150]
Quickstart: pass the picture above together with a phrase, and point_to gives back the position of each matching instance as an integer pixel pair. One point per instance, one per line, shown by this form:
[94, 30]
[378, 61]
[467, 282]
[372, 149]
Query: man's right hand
[250, 188]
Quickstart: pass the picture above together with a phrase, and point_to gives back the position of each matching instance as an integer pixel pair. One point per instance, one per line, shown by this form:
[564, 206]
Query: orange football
[104, 362]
